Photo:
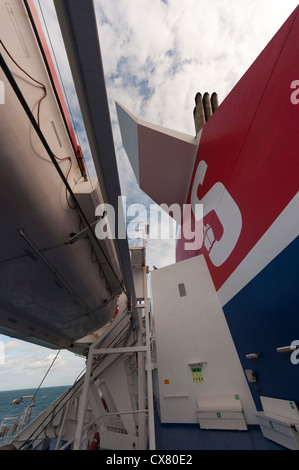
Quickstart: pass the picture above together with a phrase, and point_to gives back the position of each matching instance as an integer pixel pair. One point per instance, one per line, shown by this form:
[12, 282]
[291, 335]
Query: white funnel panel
[129, 133]
[162, 159]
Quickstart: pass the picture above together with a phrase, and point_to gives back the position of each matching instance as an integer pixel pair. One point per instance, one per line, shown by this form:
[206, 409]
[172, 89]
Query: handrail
[93, 423]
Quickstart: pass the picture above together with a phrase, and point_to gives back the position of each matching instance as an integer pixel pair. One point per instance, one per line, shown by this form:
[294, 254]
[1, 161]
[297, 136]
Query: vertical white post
[141, 388]
[83, 401]
[63, 425]
[151, 423]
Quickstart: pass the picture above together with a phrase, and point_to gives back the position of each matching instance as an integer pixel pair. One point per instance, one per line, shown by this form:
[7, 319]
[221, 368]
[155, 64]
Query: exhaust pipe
[204, 108]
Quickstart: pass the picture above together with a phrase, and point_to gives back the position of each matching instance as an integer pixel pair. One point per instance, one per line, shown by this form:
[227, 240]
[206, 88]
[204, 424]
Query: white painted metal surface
[189, 330]
[279, 421]
[163, 175]
[221, 412]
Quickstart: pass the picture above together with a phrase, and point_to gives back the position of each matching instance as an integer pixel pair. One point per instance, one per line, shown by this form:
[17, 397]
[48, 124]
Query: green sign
[197, 375]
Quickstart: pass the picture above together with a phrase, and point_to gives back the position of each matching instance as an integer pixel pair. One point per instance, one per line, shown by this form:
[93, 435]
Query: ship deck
[192, 437]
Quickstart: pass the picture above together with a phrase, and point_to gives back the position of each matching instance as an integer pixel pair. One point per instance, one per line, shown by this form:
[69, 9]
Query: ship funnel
[199, 114]
[204, 108]
[214, 101]
[207, 106]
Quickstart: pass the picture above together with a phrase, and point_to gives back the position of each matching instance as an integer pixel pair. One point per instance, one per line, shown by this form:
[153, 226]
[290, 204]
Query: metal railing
[117, 431]
[14, 424]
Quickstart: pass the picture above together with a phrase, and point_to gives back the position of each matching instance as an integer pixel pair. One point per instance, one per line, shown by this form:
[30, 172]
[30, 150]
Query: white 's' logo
[221, 217]
[295, 354]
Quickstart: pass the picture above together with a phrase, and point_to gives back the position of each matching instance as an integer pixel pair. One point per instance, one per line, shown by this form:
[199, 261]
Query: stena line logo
[295, 95]
[2, 92]
[295, 354]
[219, 211]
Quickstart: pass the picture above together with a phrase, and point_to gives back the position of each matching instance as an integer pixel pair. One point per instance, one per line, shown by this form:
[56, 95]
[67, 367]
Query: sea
[44, 397]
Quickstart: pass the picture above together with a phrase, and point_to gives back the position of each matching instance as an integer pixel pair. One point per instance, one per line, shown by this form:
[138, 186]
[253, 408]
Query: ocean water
[44, 397]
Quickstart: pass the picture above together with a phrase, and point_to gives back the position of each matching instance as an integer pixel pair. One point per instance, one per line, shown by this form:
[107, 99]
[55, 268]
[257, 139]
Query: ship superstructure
[208, 350]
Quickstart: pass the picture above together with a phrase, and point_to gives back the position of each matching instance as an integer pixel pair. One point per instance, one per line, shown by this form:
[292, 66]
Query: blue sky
[157, 55]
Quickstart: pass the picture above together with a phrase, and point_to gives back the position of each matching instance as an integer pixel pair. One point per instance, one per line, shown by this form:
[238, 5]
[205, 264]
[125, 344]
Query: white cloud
[11, 346]
[46, 362]
[25, 365]
[179, 49]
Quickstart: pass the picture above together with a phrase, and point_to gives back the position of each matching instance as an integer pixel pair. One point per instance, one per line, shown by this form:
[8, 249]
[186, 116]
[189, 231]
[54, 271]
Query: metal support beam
[151, 423]
[83, 404]
[125, 350]
[78, 25]
[142, 435]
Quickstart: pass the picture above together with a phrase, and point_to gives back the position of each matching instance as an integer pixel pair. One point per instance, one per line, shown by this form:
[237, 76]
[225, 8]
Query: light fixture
[253, 355]
[197, 364]
[286, 349]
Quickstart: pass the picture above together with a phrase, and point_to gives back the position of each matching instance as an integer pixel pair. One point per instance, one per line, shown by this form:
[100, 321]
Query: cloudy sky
[157, 55]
